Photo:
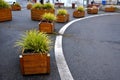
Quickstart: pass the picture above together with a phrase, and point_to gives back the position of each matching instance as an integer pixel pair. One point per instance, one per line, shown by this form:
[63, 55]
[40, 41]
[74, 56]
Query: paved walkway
[78, 45]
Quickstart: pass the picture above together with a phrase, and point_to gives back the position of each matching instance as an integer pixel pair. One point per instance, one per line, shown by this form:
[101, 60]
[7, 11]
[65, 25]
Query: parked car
[10, 1]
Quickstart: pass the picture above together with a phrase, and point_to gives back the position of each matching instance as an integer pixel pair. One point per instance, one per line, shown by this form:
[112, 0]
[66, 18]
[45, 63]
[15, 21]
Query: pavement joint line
[63, 68]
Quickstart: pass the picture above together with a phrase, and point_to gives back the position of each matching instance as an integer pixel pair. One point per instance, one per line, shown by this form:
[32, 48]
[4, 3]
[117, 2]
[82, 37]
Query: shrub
[29, 3]
[62, 12]
[34, 41]
[48, 6]
[16, 4]
[49, 17]
[112, 6]
[37, 6]
[4, 4]
[80, 8]
[94, 7]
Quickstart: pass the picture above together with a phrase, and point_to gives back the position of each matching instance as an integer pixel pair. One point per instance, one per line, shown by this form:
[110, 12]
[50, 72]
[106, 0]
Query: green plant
[29, 3]
[80, 8]
[48, 6]
[94, 7]
[112, 6]
[106, 6]
[16, 4]
[49, 17]
[37, 6]
[4, 4]
[35, 42]
[62, 12]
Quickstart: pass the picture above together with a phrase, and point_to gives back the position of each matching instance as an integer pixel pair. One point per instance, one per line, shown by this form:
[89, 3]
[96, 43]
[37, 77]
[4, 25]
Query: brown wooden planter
[62, 18]
[49, 11]
[34, 63]
[109, 9]
[92, 10]
[16, 7]
[68, 18]
[78, 14]
[29, 6]
[36, 14]
[5, 14]
[91, 5]
[46, 27]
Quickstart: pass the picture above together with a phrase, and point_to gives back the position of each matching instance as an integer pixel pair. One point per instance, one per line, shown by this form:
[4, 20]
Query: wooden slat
[5, 14]
[36, 14]
[16, 8]
[35, 64]
[62, 18]
[78, 14]
[46, 27]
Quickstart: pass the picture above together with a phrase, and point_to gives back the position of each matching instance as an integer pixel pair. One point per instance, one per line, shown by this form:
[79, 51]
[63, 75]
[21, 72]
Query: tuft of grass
[17, 4]
[35, 41]
[48, 6]
[4, 4]
[112, 6]
[62, 12]
[49, 17]
[37, 5]
[94, 7]
[80, 8]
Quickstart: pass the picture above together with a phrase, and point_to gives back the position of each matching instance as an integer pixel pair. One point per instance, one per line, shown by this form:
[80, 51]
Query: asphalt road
[10, 31]
[91, 47]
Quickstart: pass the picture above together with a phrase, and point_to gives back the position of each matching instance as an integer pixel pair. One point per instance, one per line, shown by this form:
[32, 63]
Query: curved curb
[63, 68]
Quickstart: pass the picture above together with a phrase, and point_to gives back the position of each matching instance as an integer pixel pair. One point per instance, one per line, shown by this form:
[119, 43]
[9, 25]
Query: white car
[10, 1]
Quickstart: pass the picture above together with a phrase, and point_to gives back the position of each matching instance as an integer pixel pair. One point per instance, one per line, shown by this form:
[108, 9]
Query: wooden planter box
[109, 9]
[5, 14]
[46, 27]
[92, 10]
[91, 5]
[36, 14]
[78, 14]
[62, 18]
[15, 8]
[49, 11]
[29, 6]
[34, 63]
[68, 18]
